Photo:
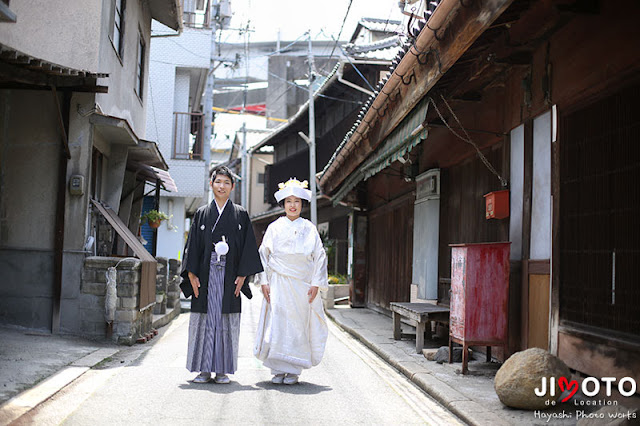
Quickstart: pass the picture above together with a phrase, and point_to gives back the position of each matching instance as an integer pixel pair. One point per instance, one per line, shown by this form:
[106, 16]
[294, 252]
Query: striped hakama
[214, 336]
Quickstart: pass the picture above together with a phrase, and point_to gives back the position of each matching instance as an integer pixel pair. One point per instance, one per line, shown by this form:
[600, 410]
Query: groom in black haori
[220, 254]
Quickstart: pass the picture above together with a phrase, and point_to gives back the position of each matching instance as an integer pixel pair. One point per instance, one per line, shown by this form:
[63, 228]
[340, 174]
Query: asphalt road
[149, 384]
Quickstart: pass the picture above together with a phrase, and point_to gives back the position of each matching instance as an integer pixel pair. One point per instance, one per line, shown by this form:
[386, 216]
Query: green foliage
[338, 279]
[154, 216]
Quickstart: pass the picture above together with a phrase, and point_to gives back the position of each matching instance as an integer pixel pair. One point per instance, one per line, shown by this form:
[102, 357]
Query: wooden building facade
[535, 97]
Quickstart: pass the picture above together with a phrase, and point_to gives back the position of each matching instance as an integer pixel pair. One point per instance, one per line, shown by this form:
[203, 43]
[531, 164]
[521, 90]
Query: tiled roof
[381, 25]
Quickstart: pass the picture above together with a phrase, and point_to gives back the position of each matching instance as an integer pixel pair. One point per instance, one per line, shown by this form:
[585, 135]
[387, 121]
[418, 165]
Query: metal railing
[188, 132]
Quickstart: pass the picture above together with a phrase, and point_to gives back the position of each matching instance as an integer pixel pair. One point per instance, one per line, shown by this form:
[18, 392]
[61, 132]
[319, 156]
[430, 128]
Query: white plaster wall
[171, 232]
[191, 49]
[541, 197]
[425, 248]
[64, 32]
[160, 108]
[516, 182]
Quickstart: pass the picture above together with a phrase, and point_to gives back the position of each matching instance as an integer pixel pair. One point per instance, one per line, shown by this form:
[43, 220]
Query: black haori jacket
[242, 260]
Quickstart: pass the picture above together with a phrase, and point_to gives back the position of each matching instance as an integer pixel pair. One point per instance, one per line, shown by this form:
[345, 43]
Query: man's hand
[195, 284]
[266, 291]
[313, 292]
[239, 284]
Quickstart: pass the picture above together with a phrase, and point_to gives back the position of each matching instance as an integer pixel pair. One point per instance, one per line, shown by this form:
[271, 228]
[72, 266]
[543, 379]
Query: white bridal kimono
[291, 332]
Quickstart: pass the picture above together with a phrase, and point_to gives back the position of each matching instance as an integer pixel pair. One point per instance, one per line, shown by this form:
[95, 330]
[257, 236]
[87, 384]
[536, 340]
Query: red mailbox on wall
[479, 297]
[497, 204]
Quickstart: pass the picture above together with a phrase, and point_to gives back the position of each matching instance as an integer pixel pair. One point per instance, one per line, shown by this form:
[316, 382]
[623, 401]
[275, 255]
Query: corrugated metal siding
[600, 214]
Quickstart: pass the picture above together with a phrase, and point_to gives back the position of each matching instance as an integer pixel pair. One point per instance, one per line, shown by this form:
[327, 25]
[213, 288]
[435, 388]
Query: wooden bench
[419, 314]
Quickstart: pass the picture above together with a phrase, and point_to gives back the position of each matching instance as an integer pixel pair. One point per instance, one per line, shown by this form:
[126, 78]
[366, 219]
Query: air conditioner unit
[428, 186]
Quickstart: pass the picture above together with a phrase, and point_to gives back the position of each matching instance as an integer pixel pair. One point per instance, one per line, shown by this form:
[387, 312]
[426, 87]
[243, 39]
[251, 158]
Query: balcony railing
[196, 13]
[188, 132]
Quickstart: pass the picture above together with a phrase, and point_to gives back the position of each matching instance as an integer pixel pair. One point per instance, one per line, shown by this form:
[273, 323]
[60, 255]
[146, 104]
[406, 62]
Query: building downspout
[65, 155]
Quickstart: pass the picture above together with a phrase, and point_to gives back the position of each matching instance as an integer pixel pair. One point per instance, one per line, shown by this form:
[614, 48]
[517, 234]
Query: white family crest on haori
[293, 187]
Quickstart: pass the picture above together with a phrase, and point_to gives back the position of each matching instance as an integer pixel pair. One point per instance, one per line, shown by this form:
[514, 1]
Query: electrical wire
[341, 28]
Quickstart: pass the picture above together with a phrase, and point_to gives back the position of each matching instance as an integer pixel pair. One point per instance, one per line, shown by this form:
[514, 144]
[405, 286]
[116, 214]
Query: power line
[341, 28]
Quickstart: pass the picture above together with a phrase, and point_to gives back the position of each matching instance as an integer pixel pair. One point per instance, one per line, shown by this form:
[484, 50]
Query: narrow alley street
[148, 384]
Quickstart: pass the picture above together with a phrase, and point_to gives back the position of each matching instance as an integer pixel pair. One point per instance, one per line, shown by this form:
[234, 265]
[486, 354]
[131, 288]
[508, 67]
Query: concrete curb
[24, 402]
[469, 411]
[29, 399]
[162, 320]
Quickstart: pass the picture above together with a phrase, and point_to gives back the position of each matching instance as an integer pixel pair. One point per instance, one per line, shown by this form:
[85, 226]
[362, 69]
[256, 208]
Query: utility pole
[208, 110]
[312, 140]
[244, 195]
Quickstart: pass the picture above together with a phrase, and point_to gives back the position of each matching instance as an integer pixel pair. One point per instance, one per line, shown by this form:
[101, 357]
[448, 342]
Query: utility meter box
[76, 185]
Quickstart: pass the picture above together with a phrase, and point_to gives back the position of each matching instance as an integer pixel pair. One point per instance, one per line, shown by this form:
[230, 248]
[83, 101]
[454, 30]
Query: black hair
[305, 203]
[221, 170]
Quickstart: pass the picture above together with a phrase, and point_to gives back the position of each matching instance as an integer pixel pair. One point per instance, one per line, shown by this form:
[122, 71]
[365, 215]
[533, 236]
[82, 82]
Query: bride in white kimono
[292, 331]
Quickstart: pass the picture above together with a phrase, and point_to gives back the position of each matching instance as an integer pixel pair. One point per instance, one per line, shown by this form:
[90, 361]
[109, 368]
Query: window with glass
[117, 31]
[140, 66]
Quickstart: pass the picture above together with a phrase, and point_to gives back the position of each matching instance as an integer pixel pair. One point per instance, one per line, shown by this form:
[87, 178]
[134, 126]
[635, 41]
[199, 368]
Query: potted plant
[154, 218]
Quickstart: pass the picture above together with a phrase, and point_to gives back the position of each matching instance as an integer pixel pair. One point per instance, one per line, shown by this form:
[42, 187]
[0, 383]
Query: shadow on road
[218, 388]
[302, 388]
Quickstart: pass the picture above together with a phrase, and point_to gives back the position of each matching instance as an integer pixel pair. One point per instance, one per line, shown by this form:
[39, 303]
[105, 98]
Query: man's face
[222, 187]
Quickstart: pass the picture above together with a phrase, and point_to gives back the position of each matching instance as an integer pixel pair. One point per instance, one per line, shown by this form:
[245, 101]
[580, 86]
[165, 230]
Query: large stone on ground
[522, 373]
[442, 355]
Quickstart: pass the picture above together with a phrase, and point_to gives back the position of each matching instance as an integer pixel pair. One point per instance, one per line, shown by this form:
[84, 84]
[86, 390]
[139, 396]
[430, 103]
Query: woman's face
[292, 207]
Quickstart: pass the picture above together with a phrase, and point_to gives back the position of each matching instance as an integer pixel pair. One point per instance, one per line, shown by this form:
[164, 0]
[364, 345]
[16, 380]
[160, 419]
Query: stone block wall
[129, 322]
[173, 284]
[161, 285]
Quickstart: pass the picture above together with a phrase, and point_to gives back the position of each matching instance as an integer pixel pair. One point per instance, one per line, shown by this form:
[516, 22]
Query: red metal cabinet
[479, 296]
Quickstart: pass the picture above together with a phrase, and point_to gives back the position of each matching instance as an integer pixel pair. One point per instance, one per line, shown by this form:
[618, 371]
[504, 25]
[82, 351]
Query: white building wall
[173, 60]
[171, 233]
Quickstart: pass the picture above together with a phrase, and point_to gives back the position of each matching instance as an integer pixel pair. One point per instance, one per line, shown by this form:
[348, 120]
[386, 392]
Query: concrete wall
[64, 32]
[29, 152]
[122, 100]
